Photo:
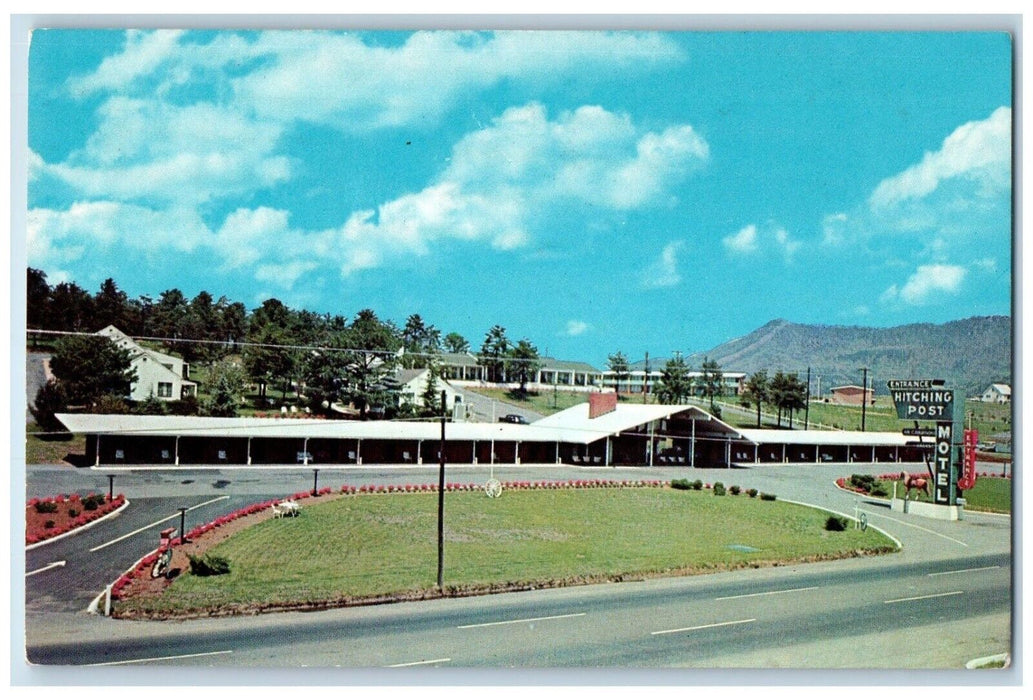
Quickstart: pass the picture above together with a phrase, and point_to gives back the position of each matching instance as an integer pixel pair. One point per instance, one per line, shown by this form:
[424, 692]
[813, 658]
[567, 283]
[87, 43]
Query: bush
[208, 565]
[719, 488]
[767, 496]
[752, 493]
[49, 525]
[835, 523]
[879, 491]
[46, 507]
[681, 484]
[73, 512]
[865, 482]
[734, 490]
[93, 501]
[697, 485]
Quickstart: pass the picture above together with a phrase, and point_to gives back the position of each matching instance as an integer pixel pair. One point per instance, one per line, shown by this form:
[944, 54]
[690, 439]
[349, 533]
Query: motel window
[165, 389]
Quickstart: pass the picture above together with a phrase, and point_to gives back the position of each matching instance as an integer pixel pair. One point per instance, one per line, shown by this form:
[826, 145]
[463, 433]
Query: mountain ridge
[968, 353]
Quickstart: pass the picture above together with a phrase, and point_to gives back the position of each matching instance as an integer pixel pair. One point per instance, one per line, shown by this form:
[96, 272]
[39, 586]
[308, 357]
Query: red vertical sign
[968, 474]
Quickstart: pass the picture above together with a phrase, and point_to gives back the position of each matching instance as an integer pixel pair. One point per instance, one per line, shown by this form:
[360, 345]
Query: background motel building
[600, 432]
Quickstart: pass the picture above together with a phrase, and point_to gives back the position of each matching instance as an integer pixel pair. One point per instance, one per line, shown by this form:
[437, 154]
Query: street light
[441, 498]
[864, 395]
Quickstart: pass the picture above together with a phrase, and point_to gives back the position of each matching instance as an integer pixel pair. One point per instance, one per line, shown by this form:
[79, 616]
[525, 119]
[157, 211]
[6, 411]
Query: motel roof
[572, 426]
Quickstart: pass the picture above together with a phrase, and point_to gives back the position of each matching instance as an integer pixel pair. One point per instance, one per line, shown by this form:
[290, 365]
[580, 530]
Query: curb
[979, 663]
[900, 545]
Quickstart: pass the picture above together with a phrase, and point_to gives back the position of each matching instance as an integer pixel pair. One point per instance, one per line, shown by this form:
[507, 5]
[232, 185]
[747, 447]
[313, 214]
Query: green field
[368, 545]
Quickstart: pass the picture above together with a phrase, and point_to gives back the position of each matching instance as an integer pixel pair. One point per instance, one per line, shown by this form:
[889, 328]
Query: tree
[756, 390]
[420, 341]
[110, 306]
[370, 362]
[493, 353]
[90, 366]
[788, 393]
[456, 343]
[71, 308]
[674, 385]
[226, 382]
[50, 400]
[431, 396]
[712, 380]
[37, 298]
[524, 363]
[618, 364]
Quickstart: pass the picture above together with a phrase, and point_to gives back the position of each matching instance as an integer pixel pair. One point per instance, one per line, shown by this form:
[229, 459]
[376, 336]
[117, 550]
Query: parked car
[513, 418]
[986, 447]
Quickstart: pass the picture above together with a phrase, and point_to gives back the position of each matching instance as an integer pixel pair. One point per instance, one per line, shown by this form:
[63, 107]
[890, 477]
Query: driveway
[487, 410]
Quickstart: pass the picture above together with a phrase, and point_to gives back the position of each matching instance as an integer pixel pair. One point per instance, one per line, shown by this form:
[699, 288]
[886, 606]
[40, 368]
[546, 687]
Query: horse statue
[912, 481]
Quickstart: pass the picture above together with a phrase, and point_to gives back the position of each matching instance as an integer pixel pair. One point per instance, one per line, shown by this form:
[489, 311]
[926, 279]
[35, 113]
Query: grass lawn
[990, 494]
[52, 449]
[366, 545]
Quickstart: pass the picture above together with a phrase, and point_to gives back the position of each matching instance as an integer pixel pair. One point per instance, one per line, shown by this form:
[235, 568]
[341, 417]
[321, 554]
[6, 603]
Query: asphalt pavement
[829, 615]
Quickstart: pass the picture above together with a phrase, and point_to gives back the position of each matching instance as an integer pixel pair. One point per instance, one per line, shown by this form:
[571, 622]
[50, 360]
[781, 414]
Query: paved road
[488, 410]
[825, 615]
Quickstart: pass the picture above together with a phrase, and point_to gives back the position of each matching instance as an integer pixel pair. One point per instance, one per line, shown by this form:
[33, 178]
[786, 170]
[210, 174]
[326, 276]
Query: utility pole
[441, 498]
[645, 382]
[807, 409]
[864, 395]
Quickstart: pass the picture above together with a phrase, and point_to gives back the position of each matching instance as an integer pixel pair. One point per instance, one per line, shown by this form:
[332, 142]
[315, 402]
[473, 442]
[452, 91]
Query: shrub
[49, 525]
[879, 491]
[864, 482]
[682, 484]
[835, 523]
[734, 490]
[46, 507]
[208, 565]
[752, 493]
[93, 501]
[719, 488]
[767, 496]
[697, 485]
[73, 512]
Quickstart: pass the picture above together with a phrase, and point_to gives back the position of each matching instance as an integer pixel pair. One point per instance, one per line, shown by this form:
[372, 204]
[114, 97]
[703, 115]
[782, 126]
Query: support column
[516, 451]
[358, 451]
[783, 453]
[419, 451]
[557, 452]
[304, 452]
[249, 451]
[475, 452]
[728, 453]
[692, 446]
[96, 461]
[177, 450]
[606, 460]
[756, 454]
[652, 444]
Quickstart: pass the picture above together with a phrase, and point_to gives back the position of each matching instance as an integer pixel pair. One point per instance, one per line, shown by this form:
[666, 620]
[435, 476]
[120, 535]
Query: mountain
[968, 354]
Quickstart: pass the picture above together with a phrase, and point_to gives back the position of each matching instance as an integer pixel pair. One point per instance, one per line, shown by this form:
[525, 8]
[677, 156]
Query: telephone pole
[441, 497]
[864, 395]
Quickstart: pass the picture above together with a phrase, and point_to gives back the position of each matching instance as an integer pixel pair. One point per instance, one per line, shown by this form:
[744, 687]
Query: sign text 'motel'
[921, 399]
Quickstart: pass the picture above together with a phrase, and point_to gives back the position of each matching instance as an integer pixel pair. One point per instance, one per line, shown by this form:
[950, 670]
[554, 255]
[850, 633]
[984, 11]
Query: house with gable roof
[165, 377]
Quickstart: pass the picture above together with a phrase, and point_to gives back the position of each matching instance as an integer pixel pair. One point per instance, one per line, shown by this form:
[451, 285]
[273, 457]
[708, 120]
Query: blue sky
[589, 191]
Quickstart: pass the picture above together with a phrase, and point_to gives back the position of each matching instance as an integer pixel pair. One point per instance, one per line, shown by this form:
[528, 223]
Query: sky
[590, 191]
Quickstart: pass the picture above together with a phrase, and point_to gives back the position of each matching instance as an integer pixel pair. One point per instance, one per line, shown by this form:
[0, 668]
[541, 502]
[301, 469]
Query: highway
[945, 599]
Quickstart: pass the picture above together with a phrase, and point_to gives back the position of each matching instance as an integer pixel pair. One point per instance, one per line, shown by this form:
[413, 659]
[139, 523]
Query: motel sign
[928, 399]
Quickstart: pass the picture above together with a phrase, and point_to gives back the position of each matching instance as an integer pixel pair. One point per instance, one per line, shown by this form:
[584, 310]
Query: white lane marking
[963, 571]
[161, 658]
[420, 663]
[516, 622]
[52, 565]
[753, 595]
[158, 522]
[923, 597]
[931, 532]
[703, 627]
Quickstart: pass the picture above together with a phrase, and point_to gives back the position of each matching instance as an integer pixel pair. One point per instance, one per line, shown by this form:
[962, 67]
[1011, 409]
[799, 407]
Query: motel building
[600, 432]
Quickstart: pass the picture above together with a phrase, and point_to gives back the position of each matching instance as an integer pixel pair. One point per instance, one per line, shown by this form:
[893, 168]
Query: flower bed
[46, 518]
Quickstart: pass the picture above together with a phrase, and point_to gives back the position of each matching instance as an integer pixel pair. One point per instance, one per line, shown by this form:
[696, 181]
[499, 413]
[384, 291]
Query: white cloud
[752, 239]
[978, 151]
[927, 282]
[664, 271]
[985, 265]
[833, 228]
[745, 241]
[143, 53]
[575, 328]
[503, 177]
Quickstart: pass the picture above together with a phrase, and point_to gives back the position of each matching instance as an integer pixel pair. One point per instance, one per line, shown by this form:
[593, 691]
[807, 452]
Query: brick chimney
[601, 404]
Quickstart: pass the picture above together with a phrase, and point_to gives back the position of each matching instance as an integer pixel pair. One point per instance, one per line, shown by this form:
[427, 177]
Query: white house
[413, 384]
[996, 393]
[163, 376]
